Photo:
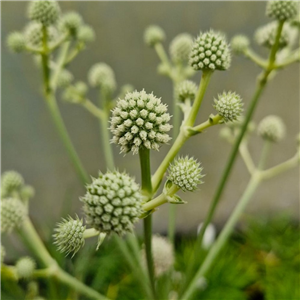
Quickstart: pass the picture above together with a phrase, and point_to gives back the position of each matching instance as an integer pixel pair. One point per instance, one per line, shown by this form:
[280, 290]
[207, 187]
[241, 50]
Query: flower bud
[229, 106]
[210, 51]
[265, 36]
[75, 93]
[71, 22]
[186, 173]
[86, 34]
[65, 78]
[180, 48]
[11, 181]
[186, 89]
[68, 236]
[13, 213]
[140, 120]
[45, 12]
[271, 128]
[25, 267]
[209, 235]
[27, 192]
[282, 10]
[154, 35]
[102, 75]
[239, 44]
[16, 42]
[112, 203]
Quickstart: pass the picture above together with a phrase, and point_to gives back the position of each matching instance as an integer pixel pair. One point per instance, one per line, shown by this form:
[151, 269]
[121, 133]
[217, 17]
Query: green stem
[255, 58]
[247, 157]
[162, 55]
[226, 232]
[93, 109]
[264, 155]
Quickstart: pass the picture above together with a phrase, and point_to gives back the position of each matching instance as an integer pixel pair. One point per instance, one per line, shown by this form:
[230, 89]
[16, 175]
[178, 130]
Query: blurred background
[31, 145]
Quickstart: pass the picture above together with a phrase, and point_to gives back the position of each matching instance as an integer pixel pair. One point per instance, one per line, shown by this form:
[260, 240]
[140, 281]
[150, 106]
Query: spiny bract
[25, 267]
[271, 128]
[229, 106]
[140, 120]
[16, 42]
[282, 10]
[186, 89]
[68, 235]
[186, 173]
[13, 213]
[239, 44]
[153, 35]
[11, 181]
[45, 12]
[112, 203]
[210, 51]
[180, 47]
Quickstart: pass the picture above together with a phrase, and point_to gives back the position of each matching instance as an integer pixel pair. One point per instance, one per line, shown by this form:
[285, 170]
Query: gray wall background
[30, 143]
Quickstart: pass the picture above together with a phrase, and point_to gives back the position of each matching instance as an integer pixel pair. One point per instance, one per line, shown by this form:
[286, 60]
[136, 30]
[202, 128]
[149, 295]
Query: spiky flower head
[71, 22]
[229, 105]
[186, 89]
[210, 51]
[13, 213]
[265, 36]
[271, 128]
[102, 75]
[112, 203]
[34, 35]
[45, 12]
[86, 34]
[140, 120]
[75, 93]
[11, 181]
[68, 235]
[163, 255]
[65, 78]
[186, 173]
[282, 10]
[154, 35]
[25, 267]
[239, 43]
[180, 47]
[16, 42]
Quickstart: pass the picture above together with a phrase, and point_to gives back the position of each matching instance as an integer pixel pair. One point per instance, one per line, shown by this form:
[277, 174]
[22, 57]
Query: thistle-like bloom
[68, 235]
[186, 89]
[271, 128]
[140, 120]
[265, 36]
[239, 44]
[229, 106]
[65, 78]
[25, 267]
[163, 255]
[180, 47]
[210, 51]
[86, 34]
[71, 22]
[154, 35]
[13, 213]
[112, 203]
[102, 75]
[186, 173]
[282, 10]
[11, 181]
[45, 12]
[16, 42]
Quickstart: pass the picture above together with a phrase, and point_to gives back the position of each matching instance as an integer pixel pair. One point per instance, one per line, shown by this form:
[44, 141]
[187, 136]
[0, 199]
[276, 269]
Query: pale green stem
[255, 58]
[93, 109]
[91, 232]
[74, 53]
[264, 155]
[162, 55]
[247, 157]
[33, 241]
[34, 50]
[293, 57]
[214, 120]
[59, 42]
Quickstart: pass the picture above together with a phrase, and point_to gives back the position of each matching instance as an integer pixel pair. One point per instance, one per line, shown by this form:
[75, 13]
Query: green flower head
[239, 44]
[271, 128]
[282, 10]
[71, 22]
[16, 42]
[186, 89]
[154, 35]
[180, 47]
[25, 267]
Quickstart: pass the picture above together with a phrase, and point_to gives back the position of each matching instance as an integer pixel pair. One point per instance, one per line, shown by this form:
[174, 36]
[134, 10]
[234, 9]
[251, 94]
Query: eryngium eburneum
[282, 10]
[271, 128]
[186, 89]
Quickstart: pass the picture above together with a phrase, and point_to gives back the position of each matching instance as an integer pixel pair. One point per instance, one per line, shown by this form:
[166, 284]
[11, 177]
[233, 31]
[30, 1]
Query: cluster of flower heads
[112, 203]
[229, 105]
[282, 10]
[271, 128]
[185, 173]
[186, 89]
[210, 51]
[180, 48]
[154, 35]
[140, 120]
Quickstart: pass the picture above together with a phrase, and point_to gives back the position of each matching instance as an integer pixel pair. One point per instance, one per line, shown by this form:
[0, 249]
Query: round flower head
[186, 173]
[75, 93]
[239, 44]
[11, 181]
[163, 255]
[69, 235]
[229, 106]
[25, 267]
[180, 47]
[71, 22]
[112, 203]
[16, 42]
[140, 120]
[86, 34]
[27, 192]
[45, 12]
[282, 10]
[102, 75]
[13, 213]
[154, 35]
[65, 78]
[210, 51]
[186, 89]
[265, 36]
[271, 128]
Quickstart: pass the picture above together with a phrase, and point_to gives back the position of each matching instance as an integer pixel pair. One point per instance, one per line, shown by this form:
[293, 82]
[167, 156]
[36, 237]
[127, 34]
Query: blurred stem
[255, 58]
[76, 50]
[264, 155]
[293, 57]
[247, 157]
[163, 55]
